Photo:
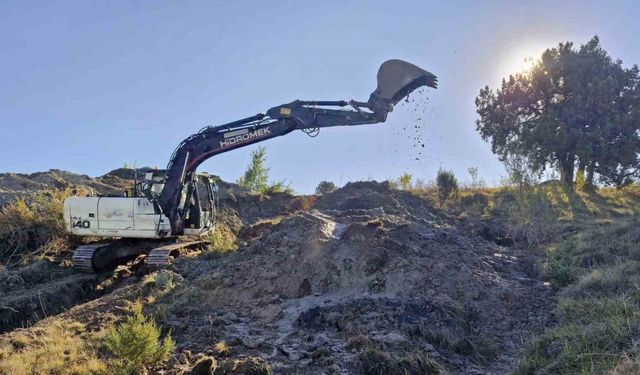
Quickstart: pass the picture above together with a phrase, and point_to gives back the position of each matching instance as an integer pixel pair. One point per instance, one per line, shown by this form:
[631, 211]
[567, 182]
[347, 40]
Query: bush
[447, 185]
[405, 181]
[34, 224]
[136, 343]
[325, 187]
[222, 239]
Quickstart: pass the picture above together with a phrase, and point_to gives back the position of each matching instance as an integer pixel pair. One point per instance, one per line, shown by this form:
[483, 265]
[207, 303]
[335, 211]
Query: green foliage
[325, 187]
[136, 343]
[575, 104]
[526, 206]
[447, 185]
[599, 309]
[256, 177]
[405, 181]
[279, 187]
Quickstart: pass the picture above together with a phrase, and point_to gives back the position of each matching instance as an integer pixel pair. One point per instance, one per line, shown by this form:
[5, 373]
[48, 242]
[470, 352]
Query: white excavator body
[123, 217]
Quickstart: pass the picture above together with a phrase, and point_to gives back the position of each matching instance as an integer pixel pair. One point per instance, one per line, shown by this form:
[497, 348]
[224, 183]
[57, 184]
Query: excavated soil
[315, 284]
[365, 263]
[39, 290]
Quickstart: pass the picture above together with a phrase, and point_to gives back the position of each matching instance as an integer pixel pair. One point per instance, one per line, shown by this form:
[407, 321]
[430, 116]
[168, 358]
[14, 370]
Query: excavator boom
[396, 79]
[177, 201]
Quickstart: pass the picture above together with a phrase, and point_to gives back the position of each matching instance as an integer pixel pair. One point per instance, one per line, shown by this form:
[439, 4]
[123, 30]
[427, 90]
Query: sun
[520, 59]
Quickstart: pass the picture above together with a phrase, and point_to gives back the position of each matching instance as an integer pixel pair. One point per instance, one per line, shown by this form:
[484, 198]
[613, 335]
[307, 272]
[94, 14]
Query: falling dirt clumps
[365, 269]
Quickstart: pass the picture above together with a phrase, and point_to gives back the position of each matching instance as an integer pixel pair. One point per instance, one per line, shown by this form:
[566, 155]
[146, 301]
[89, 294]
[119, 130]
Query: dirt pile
[16, 185]
[366, 268]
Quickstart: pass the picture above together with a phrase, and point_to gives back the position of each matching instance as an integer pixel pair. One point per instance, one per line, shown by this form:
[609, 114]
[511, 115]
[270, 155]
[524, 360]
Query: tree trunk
[566, 171]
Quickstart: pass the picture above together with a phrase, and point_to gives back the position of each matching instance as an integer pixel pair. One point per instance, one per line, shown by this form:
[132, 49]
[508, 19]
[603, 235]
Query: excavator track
[163, 256]
[83, 256]
[102, 257]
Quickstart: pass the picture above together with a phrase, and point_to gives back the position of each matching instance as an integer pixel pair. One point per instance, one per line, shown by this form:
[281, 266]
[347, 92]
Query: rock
[166, 278]
[391, 338]
[252, 342]
[304, 289]
[320, 340]
[269, 313]
[230, 317]
[204, 366]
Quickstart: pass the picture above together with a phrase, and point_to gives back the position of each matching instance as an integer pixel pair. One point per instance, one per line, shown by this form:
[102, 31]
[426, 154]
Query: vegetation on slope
[33, 226]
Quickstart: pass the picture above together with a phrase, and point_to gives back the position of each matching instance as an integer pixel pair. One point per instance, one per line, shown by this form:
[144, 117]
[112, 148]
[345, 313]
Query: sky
[89, 86]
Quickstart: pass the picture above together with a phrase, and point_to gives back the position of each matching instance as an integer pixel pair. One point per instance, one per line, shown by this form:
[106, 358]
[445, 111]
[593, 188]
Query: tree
[256, 177]
[577, 107]
[325, 187]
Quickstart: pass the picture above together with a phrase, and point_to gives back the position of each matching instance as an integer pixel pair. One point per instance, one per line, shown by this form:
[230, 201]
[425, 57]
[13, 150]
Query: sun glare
[520, 60]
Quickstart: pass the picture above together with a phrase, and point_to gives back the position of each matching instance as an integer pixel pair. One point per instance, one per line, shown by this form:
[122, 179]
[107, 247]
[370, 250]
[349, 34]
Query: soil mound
[367, 267]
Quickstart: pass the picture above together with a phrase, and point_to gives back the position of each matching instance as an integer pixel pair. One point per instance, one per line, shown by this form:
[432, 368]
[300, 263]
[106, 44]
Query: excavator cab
[202, 198]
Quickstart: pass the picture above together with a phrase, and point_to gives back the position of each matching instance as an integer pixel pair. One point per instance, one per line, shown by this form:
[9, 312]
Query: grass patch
[62, 347]
[376, 362]
[598, 270]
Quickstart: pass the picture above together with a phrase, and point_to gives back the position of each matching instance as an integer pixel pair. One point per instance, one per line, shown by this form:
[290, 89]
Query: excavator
[177, 202]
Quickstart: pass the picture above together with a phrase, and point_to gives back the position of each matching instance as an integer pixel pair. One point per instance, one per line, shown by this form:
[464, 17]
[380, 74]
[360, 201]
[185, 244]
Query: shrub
[447, 185]
[325, 187]
[279, 187]
[136, 343]
[222, 239]
[405, 181]
[476, 181]
[34, 224]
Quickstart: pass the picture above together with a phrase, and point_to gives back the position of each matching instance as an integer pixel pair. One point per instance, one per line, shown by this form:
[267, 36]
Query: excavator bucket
[396, 79]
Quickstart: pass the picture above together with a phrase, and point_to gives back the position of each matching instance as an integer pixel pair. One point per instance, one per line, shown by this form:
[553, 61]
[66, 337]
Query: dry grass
[222, 239]
[61, 347]
[376, 362]
[33, 227]
[222, 349]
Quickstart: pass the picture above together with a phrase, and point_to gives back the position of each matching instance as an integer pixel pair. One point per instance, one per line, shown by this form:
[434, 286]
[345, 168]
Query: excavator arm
[396, 79]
